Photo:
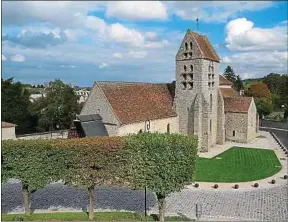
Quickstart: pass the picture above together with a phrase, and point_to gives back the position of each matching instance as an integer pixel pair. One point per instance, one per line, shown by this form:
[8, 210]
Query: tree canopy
[229, 74]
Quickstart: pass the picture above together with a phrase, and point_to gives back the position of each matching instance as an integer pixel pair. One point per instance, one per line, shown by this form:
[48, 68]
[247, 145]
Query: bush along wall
[163, 163]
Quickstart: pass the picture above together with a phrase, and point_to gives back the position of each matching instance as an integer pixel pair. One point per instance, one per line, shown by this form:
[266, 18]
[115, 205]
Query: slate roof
[237, 104]
[205, 46]
[90, 125]
[135, 102]
[7, 125]
[224, 82]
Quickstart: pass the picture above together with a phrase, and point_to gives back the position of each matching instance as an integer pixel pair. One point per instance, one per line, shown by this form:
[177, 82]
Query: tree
[229, 74]
[260, 90]
[34, 162]
[275, 82]
[58, 108]
[15, 105]
[238, 84]
[263, 107]
[163, 163]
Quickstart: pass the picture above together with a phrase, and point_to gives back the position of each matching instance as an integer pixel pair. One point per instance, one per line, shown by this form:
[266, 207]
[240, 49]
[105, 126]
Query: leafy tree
[263, 107]
[58, 108]
[97, 162]
[260, 90]
[229, 74]
[34, 162]
[238, 84]
[163, 163]
[15, 105]
[275, 82]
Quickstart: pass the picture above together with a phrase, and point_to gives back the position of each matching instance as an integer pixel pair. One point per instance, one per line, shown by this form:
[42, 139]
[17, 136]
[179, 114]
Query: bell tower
[197, 84]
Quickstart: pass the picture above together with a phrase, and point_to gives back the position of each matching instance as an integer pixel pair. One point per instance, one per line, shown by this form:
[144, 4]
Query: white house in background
[8, 130]
[34, 97]
[83, 93]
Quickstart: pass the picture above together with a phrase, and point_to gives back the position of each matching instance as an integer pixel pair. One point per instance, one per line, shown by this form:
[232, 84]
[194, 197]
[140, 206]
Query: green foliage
[238, 164]
[238, 84]
[229, 74]
[163, 163]
[34, 162]
[15, 104]
[263, 108]
[58, 108]
[275, 82]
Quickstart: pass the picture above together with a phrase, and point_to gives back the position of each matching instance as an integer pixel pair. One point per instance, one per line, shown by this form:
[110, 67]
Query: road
[280, 133]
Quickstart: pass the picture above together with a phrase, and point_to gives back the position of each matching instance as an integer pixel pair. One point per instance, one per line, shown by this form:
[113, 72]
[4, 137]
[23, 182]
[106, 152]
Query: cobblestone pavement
[258, 204]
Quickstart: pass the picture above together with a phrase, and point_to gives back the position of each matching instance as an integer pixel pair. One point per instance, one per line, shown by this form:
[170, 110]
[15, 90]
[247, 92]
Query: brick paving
[257, 204]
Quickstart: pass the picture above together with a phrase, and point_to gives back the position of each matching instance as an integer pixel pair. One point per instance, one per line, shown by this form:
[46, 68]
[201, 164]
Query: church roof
[136, 102]
[7, 125]
[205, 46]
[224, 82]
[237, 104]
[229, 92]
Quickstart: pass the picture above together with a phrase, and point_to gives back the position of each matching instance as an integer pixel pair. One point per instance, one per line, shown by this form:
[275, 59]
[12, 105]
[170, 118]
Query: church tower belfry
[197, 85]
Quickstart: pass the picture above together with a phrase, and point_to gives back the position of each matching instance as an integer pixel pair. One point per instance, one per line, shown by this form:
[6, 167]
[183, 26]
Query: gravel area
[258, 204]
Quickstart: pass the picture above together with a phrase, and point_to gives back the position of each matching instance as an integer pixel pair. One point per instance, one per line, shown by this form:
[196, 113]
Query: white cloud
[18, 58]
[214, 11]
[4, 58]
[226, 60]
[137, 10]
[68, 66]
[243, 36]
[138, 54]
[117, 55]
[103, 65]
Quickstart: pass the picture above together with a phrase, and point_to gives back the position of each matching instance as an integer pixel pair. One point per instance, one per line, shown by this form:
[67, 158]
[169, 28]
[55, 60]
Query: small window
[190, 54]
[186, 46]
[190, 85]
[213, 83]
[213, 76]
[191, 45]
[185, 68]
[191, 76]
[168, 128]
[234, 133]
[191, 68]
[98, 111]
[185, 55]
[184, 85]
[140, 131]
[184, 76]
[209, 84]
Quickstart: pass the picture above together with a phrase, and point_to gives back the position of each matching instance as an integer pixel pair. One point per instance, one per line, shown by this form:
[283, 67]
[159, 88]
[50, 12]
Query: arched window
[190, 45]
[211, 101]
[185, 68]
[168, 128]
[186, 46]
[140, 131]
[191, 68]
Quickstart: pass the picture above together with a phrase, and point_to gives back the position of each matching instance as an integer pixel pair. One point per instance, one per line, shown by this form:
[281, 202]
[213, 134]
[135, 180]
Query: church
[199, 102]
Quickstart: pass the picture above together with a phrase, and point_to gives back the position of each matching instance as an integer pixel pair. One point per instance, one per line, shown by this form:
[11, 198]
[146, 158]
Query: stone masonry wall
[236, 122]
[252, 121]
[97, 104]
[220, 120]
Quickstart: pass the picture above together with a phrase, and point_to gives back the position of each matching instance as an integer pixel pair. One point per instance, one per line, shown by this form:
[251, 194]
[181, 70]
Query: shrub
[285, 177]
[196, 185]
[256, 185]
[215, 186]
[273, 181]
[236, 186]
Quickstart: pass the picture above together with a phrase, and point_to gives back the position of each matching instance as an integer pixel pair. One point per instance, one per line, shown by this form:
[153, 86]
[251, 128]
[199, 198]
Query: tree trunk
[161, 206]
[25, 193]
[91, 203]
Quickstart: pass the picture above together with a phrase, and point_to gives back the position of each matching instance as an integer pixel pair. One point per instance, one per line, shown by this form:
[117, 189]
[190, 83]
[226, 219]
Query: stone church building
[200, 102]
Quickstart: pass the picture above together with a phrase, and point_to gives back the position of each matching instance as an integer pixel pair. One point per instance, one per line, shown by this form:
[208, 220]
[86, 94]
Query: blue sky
[82, 42]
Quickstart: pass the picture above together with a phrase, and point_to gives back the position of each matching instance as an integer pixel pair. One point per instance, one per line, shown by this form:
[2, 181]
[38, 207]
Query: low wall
[274, 124]
[63, 134]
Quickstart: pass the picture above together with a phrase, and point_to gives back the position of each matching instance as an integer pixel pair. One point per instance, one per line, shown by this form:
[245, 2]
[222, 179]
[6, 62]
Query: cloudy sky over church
[80, 42]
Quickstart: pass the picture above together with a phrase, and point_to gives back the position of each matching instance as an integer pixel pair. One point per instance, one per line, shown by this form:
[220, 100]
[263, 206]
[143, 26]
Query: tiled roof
[237, 104]
[229, 92]
[206, 48]
[135, 102]
[7, 125]
[224, 82]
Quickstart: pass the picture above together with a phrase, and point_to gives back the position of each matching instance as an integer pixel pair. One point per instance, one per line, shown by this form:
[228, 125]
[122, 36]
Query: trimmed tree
[34, 162]
[97, 162]
[163, 163]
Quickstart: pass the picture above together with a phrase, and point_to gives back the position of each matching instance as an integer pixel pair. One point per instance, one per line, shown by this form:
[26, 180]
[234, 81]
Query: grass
[238, 164]
[82, 216]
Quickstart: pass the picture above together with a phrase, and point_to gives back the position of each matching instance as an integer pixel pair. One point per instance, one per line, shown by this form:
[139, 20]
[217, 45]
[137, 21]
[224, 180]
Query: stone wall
[98, 104]
[220, 120]
[60, 134]
[252, 121]
[237, 122]
[158, 125]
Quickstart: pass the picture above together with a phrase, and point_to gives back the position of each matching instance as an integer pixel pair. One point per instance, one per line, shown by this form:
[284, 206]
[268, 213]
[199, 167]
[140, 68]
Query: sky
[137, 41]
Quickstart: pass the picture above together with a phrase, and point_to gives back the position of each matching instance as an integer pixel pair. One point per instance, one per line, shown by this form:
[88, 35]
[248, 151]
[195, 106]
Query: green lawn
[238, 164]
[81, 216]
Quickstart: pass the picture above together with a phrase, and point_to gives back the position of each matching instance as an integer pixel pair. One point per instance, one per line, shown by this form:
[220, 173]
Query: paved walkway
[263, 141]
